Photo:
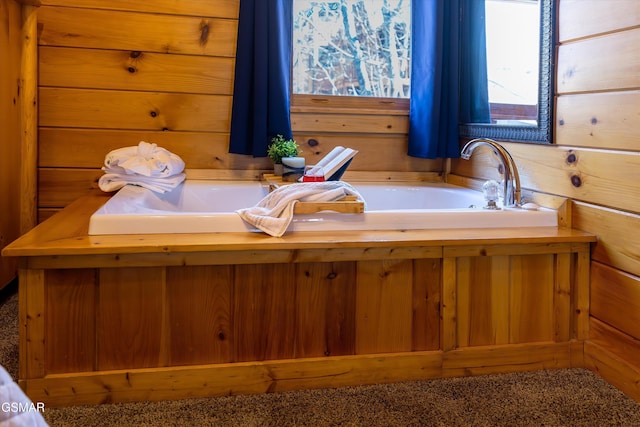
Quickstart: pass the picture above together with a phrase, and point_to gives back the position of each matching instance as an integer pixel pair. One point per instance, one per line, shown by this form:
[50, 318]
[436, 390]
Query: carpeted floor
[569, 397]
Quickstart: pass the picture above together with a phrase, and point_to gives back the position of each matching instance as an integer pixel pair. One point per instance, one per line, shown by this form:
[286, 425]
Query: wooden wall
[10, 52]
[114, 73]
[595, 162]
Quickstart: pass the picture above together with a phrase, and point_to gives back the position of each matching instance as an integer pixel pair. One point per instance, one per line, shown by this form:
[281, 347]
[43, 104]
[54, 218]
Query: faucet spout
[511, 189]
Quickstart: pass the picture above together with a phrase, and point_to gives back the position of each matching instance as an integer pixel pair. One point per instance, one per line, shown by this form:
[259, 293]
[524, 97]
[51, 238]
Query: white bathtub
[209, 206]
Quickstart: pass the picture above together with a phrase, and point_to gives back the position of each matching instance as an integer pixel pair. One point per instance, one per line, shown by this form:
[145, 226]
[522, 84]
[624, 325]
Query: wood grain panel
[107, 29]
[582, 18]
[231, 379]
[84, 108]
[219, 8]
[325, 315]
[427, 296]
[29, 108]
[264, 311]
[131, 318]
[10, 133]
[200, 314]
[349, 123]
[622, 345]
[615, 298]
[608, 120]
[71, 303]
[138, 71]
[609, 62]
[375, 152]
[622, 375]
[483, 300]
[31, 321]
[562, 295]
[384, 294]
[531, 314]
[617, 245]
[87, 148]
[59, 187]
[507, 358]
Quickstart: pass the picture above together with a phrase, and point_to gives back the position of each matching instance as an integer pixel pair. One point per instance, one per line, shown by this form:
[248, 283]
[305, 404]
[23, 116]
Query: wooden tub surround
[152, 317]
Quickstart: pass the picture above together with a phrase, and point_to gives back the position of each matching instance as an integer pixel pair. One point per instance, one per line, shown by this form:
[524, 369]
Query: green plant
[281, 147]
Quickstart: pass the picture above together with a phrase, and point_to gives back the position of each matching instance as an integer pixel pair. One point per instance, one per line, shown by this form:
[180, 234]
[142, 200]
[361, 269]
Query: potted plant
[279, 148]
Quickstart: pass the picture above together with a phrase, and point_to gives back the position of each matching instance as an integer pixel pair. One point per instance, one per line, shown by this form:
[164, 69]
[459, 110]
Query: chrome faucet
[511, 184]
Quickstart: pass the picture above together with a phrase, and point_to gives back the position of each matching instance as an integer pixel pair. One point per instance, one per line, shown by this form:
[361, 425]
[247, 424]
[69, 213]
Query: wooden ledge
[66, 233]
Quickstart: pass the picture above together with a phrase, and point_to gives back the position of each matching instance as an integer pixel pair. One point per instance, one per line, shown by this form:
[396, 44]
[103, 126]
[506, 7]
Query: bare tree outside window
[352, 48]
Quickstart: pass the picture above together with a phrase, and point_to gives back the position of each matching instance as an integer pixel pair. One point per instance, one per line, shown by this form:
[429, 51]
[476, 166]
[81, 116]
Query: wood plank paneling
[508, 358]
[608, 62]
[87, 148]
[137, 71]
[608, 120]
[10, 133]
[29, 109]
[427, 296]
[531, 316]
[384, 292]
[264, 312]
[131, 330]
[219, 8]
[617, 342]
[325, 309]
[474, 301]
[107, 29]
[200, 314]
[71, 303]
[583, 18]
[562, 293]
[85, 108]
[377, 152]
[31, 321]
[349, 123]
[59, 187]
[615, 298]
[617, 244]
[624, 376]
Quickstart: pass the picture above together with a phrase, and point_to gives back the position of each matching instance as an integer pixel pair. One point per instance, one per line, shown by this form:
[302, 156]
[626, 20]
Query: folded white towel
[144, 159]
[115, 181]
[274, 213]
[145, 165]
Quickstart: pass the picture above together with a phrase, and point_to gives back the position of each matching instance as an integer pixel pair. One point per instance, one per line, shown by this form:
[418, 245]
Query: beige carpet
[570, 397]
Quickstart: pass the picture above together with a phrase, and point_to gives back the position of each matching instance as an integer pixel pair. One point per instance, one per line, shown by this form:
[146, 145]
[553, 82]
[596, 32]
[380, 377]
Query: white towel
[144, 159]
[274, 213]
[115, 181]
[145, 165]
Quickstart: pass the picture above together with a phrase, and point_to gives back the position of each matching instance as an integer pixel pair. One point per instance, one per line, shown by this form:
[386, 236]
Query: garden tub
[203, 206]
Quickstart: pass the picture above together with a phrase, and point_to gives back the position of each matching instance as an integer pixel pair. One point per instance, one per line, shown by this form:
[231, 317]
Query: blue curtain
[474, 88]
[434, 112]
[261, 90]
[439, 73]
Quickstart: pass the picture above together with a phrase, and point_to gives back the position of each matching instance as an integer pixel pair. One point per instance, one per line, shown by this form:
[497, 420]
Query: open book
[334, 164]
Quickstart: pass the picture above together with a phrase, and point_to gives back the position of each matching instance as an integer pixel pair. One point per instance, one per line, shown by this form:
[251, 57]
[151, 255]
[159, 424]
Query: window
[352, 48]
[512, 60]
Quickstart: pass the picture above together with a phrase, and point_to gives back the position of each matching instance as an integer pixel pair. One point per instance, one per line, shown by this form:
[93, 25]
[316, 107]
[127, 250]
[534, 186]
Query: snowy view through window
[363, 48]
[352, 47]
